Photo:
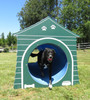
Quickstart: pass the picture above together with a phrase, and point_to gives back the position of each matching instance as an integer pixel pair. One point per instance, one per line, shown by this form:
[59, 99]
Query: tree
[35, 10]
[72, 14]
[9, 39]
[14, 40]
[87, 31]
[3, 40]
[75, 15]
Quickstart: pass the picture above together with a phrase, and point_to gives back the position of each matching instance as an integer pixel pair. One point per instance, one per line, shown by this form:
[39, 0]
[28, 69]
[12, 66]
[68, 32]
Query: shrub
[6, 50]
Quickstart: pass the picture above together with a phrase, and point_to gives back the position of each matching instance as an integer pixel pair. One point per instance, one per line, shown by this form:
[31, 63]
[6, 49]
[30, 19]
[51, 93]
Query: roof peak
[42, 21]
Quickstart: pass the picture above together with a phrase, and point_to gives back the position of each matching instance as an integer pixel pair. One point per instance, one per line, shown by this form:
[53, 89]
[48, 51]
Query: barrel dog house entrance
[46, 34]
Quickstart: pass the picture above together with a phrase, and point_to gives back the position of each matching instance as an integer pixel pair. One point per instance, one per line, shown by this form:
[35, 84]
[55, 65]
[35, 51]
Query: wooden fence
[83, 45]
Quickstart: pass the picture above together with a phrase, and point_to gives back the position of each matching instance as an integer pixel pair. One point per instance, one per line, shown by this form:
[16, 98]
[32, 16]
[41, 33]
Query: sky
[8, 15]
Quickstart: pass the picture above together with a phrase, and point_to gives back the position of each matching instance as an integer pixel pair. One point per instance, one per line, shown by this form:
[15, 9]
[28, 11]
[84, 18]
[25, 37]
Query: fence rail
[83, 45]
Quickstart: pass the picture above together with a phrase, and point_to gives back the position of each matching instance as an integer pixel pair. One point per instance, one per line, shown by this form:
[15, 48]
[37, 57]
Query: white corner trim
[22, 85]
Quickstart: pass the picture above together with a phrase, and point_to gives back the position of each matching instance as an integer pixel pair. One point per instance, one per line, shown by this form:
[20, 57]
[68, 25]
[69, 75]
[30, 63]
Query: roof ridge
[43, 20]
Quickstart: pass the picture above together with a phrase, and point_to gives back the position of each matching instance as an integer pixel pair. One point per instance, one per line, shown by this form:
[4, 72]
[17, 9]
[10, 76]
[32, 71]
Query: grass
[76, 92]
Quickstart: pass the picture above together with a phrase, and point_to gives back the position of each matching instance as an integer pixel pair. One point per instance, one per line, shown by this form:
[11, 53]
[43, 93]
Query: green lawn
[76, 92]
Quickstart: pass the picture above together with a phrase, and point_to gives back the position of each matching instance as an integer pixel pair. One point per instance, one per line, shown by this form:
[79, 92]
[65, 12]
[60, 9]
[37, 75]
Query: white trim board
[28, 44]
[47, 36]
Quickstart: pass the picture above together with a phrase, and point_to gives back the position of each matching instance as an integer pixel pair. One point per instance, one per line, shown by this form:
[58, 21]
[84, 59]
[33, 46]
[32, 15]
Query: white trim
[16, 83]
[19, 56]
[76, 80]
[28, 44]
[20, 50]
[73, 50]
[75, 65]
[22, 44]
[33, 44]
[47, 36]
[26, 39]
[75, 70]
[75, 55]
[18, 67]
[71, 45]
[75, 75]
[17, 78]
[18, 72]
[75, 60]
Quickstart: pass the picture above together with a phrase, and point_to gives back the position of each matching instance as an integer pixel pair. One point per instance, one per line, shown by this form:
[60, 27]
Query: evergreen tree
[1, 43]
[14, 40]
[3, 40]
[9, 39]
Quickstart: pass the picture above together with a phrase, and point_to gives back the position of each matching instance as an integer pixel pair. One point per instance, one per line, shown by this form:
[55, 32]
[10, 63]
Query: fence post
[78, 46]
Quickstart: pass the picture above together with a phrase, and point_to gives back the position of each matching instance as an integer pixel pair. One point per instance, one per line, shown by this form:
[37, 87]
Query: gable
[47, 27]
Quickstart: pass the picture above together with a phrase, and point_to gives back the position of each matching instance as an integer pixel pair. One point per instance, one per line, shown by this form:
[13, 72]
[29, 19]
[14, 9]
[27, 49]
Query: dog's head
[49, 53]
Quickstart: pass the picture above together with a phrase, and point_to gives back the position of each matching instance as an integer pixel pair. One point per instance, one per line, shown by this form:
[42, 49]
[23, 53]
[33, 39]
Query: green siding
[75, 73]
[17, 75]
[18, 64]
[75, 68]
[19, 58]
[17, 86]
[20, 53]
[76, 78]
[18, 81]
[18, 69]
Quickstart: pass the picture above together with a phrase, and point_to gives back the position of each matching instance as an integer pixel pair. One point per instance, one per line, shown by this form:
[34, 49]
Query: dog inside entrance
[44, 58]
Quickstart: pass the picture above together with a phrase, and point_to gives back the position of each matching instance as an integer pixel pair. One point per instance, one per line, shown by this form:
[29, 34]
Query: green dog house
[47, 33]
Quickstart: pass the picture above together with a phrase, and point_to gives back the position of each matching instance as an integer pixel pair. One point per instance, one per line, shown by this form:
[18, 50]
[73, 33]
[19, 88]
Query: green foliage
[11, 39]
[2, 40]
[8, 41]
[13, 47]
[75, 15]
[14, 40]
[87, 30]
[6, 50]
[72, 14]
[35, 10]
